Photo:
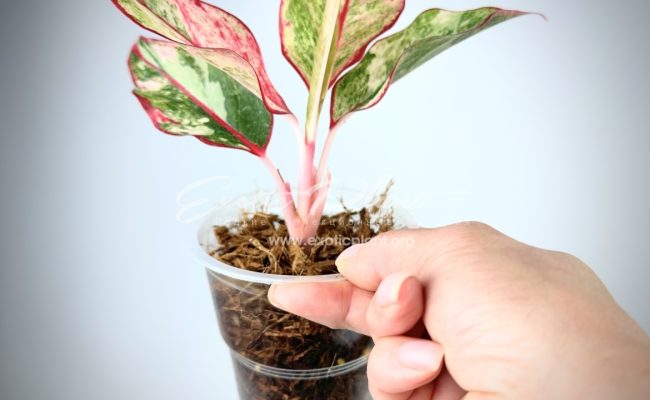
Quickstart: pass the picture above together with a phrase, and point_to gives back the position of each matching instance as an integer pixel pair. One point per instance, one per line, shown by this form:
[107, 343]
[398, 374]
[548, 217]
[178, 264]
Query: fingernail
[389, 290]
[423, 355]
[346, 255]
[273, 297]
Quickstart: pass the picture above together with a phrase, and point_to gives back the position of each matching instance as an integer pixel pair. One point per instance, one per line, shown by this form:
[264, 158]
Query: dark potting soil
[263, 334]
[258, 386]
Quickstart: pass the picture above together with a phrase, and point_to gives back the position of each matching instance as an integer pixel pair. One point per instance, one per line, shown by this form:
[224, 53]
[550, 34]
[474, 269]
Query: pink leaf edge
[274, 102]
[334, 122]
[250, 146]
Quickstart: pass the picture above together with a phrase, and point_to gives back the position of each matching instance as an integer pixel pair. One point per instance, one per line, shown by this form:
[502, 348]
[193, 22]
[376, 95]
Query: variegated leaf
[359, 22]
[391, 58]
[363, 21]
[212, 94]
[204, 25]
[322, 66]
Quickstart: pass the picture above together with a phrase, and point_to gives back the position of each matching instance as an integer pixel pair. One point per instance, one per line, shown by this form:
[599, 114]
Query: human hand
[513, 321]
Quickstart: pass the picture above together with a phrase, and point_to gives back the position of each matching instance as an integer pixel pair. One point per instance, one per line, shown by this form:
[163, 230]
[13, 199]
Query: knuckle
[472, 228]
[467, 233]
[572, 264]
[572, 260]
[461, 241]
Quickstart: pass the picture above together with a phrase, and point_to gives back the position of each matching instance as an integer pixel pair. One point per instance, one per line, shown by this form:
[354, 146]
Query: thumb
[409, 250]
[367, 264]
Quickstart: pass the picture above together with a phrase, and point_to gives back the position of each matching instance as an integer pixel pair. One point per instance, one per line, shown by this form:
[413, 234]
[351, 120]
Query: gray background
[538, 128]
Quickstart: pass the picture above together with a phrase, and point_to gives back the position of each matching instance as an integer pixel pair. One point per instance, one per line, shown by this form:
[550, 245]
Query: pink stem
[307, 174]
[306, 179]
[323, 178]
[293, 121]
[318, 206]
[322, 164]
[295, 224]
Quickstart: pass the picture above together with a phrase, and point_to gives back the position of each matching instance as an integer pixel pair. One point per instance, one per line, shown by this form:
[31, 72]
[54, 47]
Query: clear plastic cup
[323, 364]
[245, 315]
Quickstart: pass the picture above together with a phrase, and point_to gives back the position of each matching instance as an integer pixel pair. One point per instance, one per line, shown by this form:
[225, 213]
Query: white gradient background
[538, 128]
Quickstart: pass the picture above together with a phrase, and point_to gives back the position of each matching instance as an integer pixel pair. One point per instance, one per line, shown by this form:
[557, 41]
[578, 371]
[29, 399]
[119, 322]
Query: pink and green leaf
[322, 63]
[212, 94]
[203, 25]
[359, 22]
[146, 18]
[393, 57]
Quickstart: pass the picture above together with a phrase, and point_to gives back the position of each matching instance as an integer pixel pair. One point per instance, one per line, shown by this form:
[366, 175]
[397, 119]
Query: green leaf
[363, 21]
[323, 60]
[358, 22]
[203, 25]
[145, 17]
[212, 94]
[391, 58]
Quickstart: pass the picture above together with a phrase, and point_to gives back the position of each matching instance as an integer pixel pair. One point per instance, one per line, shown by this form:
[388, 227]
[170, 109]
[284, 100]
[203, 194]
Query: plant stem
[324, 56]
[322, 163]
[295, 125]
[295, 224]
[320, 198]
[322, 176]
[306, 179]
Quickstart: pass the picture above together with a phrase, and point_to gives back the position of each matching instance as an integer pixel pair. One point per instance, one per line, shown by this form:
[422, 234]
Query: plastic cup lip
[222, 268]
[214, 265]
[219, 267]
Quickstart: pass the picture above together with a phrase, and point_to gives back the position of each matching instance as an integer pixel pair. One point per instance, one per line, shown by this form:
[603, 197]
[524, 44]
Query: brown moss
[260, 242]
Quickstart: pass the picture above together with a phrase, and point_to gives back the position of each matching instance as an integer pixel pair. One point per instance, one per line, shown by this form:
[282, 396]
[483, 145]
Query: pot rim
[222, 268]
[204, 232]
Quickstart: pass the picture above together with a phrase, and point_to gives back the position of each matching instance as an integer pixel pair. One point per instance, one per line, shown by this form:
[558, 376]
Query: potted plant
[208, 80]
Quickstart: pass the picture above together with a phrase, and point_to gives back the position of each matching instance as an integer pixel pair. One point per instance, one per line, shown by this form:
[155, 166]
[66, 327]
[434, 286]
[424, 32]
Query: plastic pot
[316, 362]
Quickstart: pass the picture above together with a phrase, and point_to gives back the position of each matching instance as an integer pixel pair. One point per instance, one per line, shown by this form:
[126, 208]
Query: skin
[465, 312]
